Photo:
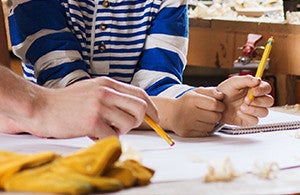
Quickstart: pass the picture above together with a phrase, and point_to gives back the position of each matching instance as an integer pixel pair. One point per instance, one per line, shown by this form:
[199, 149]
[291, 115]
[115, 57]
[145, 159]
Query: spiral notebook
[275, 121]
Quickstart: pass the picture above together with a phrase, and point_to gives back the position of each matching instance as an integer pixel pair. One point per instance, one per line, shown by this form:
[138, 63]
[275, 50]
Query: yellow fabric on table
[130, 173]
[11, 163]
[93, 169]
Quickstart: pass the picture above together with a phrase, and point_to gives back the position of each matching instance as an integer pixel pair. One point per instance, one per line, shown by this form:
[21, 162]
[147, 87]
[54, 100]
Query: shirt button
[102, 26]
[105, 3]
[102, 47]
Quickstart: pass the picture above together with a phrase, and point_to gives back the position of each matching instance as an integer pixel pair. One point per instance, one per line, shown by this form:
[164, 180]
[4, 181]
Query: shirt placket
[103, 26]
[101, 42]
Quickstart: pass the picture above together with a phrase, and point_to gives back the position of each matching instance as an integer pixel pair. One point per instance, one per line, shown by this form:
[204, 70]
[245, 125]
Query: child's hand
[239, 109]
[197, 111]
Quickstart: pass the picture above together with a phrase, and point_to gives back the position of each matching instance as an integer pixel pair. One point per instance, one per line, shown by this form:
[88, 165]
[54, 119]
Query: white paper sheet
[188, 158]
[275, 121]
[25, 143]
[278, 117]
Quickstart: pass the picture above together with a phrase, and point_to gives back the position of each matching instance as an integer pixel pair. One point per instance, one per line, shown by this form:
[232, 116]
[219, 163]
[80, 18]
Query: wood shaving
[292, 107]
[220, 171]
[293, 18]
[264, 10]
[265, 170]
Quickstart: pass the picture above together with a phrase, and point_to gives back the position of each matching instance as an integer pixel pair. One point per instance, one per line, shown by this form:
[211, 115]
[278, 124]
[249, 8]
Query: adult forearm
[17, 96]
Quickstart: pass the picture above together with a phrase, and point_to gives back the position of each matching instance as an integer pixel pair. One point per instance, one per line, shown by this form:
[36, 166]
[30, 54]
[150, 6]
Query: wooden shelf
[214, 43]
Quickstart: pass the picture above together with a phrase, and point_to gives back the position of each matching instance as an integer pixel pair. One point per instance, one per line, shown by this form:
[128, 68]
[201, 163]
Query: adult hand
[96, 108]
[193, 114]
[240, 110]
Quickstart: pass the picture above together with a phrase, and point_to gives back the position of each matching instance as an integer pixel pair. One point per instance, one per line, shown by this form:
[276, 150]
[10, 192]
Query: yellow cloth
[93, 169]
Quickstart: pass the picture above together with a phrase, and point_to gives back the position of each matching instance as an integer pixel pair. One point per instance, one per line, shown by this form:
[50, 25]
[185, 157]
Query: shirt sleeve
[163, 60]
[41, 38]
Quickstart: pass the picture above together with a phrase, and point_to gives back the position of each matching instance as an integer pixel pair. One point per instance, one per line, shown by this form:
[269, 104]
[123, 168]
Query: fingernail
[244, 108]
[255, 79]
[218, 92]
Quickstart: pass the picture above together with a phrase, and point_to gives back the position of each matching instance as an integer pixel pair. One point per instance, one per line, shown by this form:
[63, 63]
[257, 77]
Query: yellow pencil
[262, 63]
[159, 130]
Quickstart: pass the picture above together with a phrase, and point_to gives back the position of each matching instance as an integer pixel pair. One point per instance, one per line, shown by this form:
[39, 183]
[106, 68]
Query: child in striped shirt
[139, 42]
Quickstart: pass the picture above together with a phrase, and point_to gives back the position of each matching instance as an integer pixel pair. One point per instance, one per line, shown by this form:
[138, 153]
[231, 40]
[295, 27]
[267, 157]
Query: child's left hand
[240, 110]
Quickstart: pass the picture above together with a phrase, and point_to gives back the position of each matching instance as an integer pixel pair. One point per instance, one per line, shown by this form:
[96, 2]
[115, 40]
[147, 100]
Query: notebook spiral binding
[261, 128]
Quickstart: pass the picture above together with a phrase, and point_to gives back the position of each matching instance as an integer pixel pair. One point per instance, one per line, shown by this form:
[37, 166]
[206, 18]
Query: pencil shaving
[220, 171]
[266, 170]
[295, 107]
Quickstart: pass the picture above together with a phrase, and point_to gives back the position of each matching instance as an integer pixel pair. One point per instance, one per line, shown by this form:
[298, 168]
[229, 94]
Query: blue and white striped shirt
[142, 42]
